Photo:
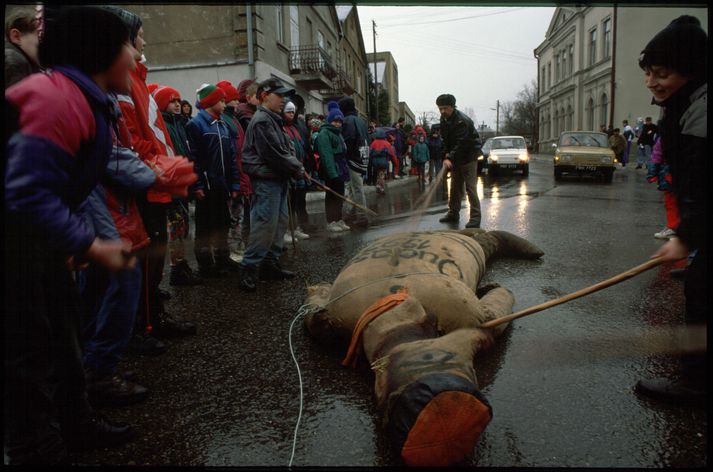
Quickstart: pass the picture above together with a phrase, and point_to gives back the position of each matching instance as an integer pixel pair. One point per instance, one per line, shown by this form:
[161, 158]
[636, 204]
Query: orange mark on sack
[377, 309]
[446, 430]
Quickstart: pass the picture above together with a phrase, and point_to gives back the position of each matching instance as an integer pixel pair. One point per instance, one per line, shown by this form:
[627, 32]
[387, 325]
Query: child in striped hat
[213, 148]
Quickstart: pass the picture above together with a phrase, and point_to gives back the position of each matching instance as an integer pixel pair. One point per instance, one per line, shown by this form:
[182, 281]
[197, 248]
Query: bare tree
[519, 117]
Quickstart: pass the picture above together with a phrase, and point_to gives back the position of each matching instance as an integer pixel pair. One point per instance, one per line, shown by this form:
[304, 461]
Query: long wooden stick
[580, 293]
[324, 187]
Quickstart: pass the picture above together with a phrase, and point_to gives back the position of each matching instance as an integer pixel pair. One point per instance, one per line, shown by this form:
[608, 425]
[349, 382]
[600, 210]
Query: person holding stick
[675, 69]
[461, 147]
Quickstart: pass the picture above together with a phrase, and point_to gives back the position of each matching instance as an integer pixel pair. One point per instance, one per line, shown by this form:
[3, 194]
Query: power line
[453, 19]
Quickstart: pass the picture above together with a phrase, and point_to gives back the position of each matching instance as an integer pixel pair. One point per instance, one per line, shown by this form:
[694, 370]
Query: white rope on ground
[303, 311]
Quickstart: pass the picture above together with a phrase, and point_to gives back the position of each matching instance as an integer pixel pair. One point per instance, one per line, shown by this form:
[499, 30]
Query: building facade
[351, 60]
[300, 44]
[588, 74]
[407, 114]
[387, 78]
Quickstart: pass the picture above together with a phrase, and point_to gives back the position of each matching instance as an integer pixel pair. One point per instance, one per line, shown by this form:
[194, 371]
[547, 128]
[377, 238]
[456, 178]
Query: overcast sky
[478, 54]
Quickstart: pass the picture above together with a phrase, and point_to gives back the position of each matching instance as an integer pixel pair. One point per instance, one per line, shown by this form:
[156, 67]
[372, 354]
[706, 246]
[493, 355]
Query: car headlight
[606, 160]
[494, 157]
[557, 158]
[480, 158]
[524, 157]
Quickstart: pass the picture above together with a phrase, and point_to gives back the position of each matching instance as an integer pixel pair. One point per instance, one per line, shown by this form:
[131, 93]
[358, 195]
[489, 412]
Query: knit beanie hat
[209, 95]
[101, 34]
[131, 20]
[332, 105]
[290, 107]
[152, 88]
[681, 46]
[231, 93]
[243, 88]
[446, 100]
[347, 105]
[335, 115]
[165, 95]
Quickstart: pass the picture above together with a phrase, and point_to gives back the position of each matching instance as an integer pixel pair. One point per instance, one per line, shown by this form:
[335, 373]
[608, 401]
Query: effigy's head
[426, 385]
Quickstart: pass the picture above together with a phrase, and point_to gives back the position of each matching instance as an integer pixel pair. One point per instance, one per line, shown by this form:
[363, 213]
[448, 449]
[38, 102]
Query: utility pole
[376, 81]
[497, 116]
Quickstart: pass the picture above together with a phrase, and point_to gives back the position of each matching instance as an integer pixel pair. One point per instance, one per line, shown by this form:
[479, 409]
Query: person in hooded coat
[356, 137]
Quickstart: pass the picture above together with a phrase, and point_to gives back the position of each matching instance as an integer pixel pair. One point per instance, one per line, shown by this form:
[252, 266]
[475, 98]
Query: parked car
[584, 152]
[508, 152]
[483, 158]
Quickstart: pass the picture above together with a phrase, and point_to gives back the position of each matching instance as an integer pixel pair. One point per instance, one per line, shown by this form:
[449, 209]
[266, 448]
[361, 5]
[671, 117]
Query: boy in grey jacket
[269, 159]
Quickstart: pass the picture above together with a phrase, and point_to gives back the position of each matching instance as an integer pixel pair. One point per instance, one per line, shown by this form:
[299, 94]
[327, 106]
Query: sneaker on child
[666, 233]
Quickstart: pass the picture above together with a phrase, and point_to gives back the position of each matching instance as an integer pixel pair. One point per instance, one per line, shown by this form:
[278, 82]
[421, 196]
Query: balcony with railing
[312, 67]
[342, 85]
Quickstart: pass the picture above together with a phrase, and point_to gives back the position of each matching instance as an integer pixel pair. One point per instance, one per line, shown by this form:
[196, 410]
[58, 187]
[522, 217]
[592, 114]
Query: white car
[508, 152]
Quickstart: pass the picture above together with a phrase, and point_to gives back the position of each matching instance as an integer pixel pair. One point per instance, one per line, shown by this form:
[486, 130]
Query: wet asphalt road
[560, 381]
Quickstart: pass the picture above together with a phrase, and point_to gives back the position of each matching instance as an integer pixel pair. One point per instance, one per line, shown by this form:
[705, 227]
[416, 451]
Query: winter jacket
[435, 148]
[213, 152]
[298, 144]
[176, 127]
[648, 134]
[111, 209]
[381, 152]
[332, 153]
[268, 152]
[149, 136]
[684, 138]
[354, 132]
[245, 113]
[420, 154]
[658, 170]
[460, 139]
[57, 156]
[231, 119]
[17, 64]
[617, 143]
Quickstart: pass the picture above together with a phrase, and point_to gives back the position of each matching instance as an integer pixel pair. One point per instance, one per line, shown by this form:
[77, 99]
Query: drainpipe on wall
[251, 58]
[613, 68]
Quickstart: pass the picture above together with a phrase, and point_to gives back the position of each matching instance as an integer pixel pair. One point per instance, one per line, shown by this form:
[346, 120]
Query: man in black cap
[269, 158]
[675, 66]
[461, 147]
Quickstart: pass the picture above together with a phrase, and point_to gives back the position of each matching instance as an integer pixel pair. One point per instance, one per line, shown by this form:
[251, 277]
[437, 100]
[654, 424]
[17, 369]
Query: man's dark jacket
[460, 139]
[684, 140]
[268, 152]
[356, 135]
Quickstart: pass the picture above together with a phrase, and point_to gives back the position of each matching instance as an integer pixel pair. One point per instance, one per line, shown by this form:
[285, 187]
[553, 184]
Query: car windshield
[487, 144]
[584, 139]
[508, 143]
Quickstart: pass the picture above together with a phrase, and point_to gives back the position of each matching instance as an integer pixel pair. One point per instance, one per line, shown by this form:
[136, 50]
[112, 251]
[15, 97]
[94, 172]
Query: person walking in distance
[647, 138]
[461, 147]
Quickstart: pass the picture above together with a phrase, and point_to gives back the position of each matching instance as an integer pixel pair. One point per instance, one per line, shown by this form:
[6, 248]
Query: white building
[588, 72]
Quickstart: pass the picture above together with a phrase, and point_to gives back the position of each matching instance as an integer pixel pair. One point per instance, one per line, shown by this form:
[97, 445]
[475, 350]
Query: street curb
[368, 189]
